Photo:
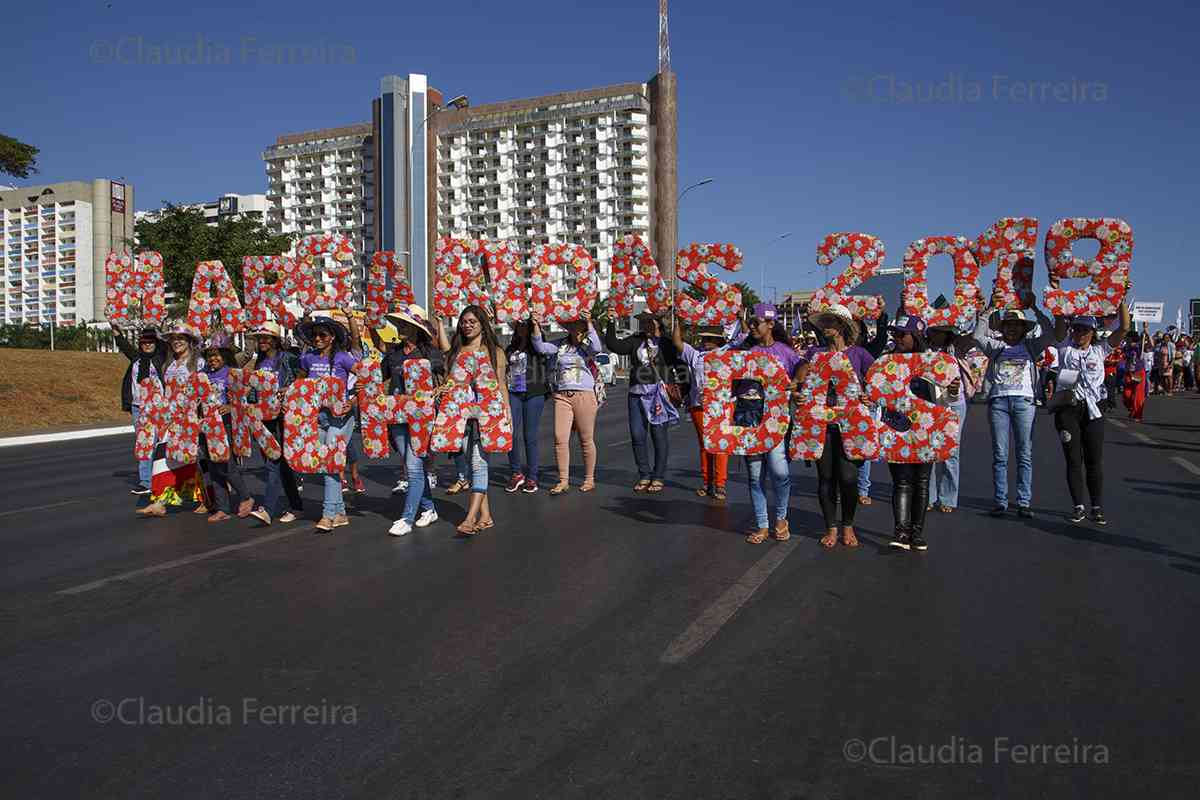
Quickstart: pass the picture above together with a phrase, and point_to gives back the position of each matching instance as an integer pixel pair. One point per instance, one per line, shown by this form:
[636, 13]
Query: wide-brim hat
[269, 328]
[183, 329]
[710, 332]
[149, 332]
[304, 331]
[1016, 315]
[837, 314]
[1086, 322]
[414, 315]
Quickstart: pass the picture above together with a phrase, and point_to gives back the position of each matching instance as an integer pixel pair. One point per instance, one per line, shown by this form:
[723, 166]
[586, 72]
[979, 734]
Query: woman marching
[714, 467]
[910, 482]
[837, 475]
[575, 400]
[147, 360]
[416, 342]
[280, 480]
[223, 475]
[177, 481]
[1080, 424]
[474, 334]
[766, 335]
[651, 411]
[331, 355]
[527, 392]
[1133, 374]
[943, 484]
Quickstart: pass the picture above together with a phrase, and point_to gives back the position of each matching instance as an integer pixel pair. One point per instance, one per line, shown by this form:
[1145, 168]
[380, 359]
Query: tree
[600, 310]
[749, 297]
[184, 238]
[17, 158]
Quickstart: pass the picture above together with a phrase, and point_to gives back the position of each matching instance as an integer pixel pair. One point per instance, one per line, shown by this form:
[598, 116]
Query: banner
[1146, 312]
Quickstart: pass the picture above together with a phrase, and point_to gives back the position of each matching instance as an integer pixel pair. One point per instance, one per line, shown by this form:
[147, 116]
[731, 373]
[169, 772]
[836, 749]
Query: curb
[65, 436]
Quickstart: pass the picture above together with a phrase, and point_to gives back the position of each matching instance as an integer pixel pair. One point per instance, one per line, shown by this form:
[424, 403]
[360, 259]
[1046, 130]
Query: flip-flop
[587, 486]
[491, 523]
[467, 530]
[655, 487]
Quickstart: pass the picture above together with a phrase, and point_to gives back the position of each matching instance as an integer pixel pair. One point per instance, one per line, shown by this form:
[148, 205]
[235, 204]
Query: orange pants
[714, 468]
[1135, 397]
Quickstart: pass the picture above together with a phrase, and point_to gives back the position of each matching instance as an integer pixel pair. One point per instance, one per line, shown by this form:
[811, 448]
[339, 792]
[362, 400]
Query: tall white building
[55, 240]
[323, 182]
[234, 206]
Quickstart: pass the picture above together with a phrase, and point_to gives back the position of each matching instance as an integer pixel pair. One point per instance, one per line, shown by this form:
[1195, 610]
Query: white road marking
[38, 508]
[1189, 466]
[715, 616]
[1141, 437]
[179, 562]
[1118, 423]
[65, 436]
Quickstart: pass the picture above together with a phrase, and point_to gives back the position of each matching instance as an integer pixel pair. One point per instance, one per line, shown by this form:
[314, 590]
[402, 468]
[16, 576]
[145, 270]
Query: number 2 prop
[574, 258]
[380, 298]
[966, 304]
[866, 254]
[722, 303]
[128, 286]
[1109, 270]
[635, 270]
[923, 432]
[720, 371]
[860, 436]
[1011, 243]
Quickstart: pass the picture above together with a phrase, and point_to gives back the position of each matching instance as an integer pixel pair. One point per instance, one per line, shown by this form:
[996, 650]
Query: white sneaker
[432, 480]
[401, 487]
[427, 518]
[400, 527]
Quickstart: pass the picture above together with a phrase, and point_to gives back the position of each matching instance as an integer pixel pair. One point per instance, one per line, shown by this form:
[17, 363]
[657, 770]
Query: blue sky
[902, 120]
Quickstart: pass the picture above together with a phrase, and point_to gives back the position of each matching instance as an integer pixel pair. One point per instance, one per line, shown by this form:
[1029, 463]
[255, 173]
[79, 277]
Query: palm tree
[750, 297]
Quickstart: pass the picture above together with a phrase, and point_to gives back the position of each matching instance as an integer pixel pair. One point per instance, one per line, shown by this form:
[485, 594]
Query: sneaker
[261, 514]
[400, 527]
[514, 482]
[918, 541]
[288, 516]
[401, 487]
[432, 480]
[426, 518]
[340, 521]
[140, 490]
[345, 486]
[998, 511]
[1098, 516]
[325, 524]
[1077, 515]
[530, 486]
[359, 488]
[902, 540]
[1025, 512]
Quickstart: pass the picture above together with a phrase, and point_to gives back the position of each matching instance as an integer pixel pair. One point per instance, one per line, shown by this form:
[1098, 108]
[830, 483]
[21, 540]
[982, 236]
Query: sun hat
[269, 328]
[840, 315]
[185, 330]
[306, 327]
[412, 314]
[1017, 315]
[149, 334]
[710, 332]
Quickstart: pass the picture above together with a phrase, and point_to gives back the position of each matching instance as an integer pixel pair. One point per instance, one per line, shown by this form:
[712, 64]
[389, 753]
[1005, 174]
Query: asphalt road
[604, 645]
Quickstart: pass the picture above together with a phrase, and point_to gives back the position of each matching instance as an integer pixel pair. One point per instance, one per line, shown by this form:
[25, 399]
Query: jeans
[279, 478]
[526, 414]
[943, 489]
[460, 465]
[1015, 414]
[419, 497]
[864, 479]
[145, 468]
[639, 427]
[353, 445]
[335, 431]
[478, 461]
[781, 478]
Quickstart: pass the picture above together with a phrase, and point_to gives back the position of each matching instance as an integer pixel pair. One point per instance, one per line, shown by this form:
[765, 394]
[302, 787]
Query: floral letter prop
[248, 415]
[579, 264]
[460, 283]
[634, 270]
[213, 291]
[379, 410]
[860, 437]
[458, 403]
[1108, 271]
[720, 371]
[127, 286]
[302, 445]
[341, 276]
[866, 254]
[915, 431]
[966, 305]
[380, 298]
[1012, 242]
[266, 300]
[722, 302]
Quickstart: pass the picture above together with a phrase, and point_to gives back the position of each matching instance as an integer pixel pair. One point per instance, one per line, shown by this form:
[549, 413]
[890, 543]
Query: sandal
[587, 486]
[641, 486]
[719, 493]
[655, 487]
[457, 486]
[465, 529]
[829, 539]
[945, 509]
[702, 491]
[864, 500]
[848, 537]
[483, 526]
[201, 509]
[245, 508]
[218, 516]
[757, 536]
[782, 533]
[561, 488]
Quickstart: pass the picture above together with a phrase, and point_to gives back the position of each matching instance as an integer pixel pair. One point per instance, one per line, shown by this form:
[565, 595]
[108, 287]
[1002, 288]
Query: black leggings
[836, 475]
[910, 495]
[1083, 445]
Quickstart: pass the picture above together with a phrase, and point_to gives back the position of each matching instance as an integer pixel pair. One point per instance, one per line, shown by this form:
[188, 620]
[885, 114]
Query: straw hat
[840, 315]
[269, 328]
[414, 315]
[304, 331]
[185, 330]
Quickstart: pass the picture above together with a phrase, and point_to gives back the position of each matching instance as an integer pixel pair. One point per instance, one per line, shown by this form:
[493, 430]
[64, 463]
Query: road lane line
[39, 508]
[715, 616]
[1118, 423]
[1141, 437]
[66, 436]
[179, 562]
[1189, 466]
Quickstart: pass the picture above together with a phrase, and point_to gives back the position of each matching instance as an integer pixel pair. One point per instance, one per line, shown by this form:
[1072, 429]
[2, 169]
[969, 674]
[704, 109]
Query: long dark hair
[521, 341]
[487, 335]
[778, 333]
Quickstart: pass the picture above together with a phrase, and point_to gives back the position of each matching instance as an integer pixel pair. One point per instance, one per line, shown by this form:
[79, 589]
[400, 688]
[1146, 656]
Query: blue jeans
[280, 479]
[353, 445]
[335, 431]
[145, 468]
[639, 427]
[777, 468]
[419, 497]
[478, 460]
[864, 479]
[526, 414]
[943, 487]
[1015, 414]
[460, 465]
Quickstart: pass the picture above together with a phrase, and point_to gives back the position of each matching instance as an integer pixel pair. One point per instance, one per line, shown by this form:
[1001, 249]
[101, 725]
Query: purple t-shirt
[220, 381]
[860, 359]
[318, 366]
[786, 357]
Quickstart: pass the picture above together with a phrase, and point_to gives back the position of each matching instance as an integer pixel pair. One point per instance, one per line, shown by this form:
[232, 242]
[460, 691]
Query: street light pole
[674, 278]
[762, 287]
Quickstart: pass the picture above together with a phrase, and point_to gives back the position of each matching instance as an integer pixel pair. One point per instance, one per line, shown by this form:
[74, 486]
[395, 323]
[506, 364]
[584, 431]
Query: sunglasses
[322, 335]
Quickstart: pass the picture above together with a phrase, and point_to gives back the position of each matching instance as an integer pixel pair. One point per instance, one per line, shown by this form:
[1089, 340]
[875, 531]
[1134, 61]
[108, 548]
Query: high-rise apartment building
[55, 240]
[230, 205]
[323, 181]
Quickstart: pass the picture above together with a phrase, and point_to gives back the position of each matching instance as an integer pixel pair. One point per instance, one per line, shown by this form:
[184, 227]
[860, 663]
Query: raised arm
[1123, 325]
[677, 334]
[615, 344]
[440, 340]
[355, 333]
[983, 328]
[876, 345]
[1049, 330]
[375, 340]
[123, 344]
[540, 346]
[593, 341]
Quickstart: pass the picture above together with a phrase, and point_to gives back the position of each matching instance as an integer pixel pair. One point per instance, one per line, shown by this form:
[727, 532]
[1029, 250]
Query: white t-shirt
[1089, 364]
[1051, 357]
[1013, 372]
